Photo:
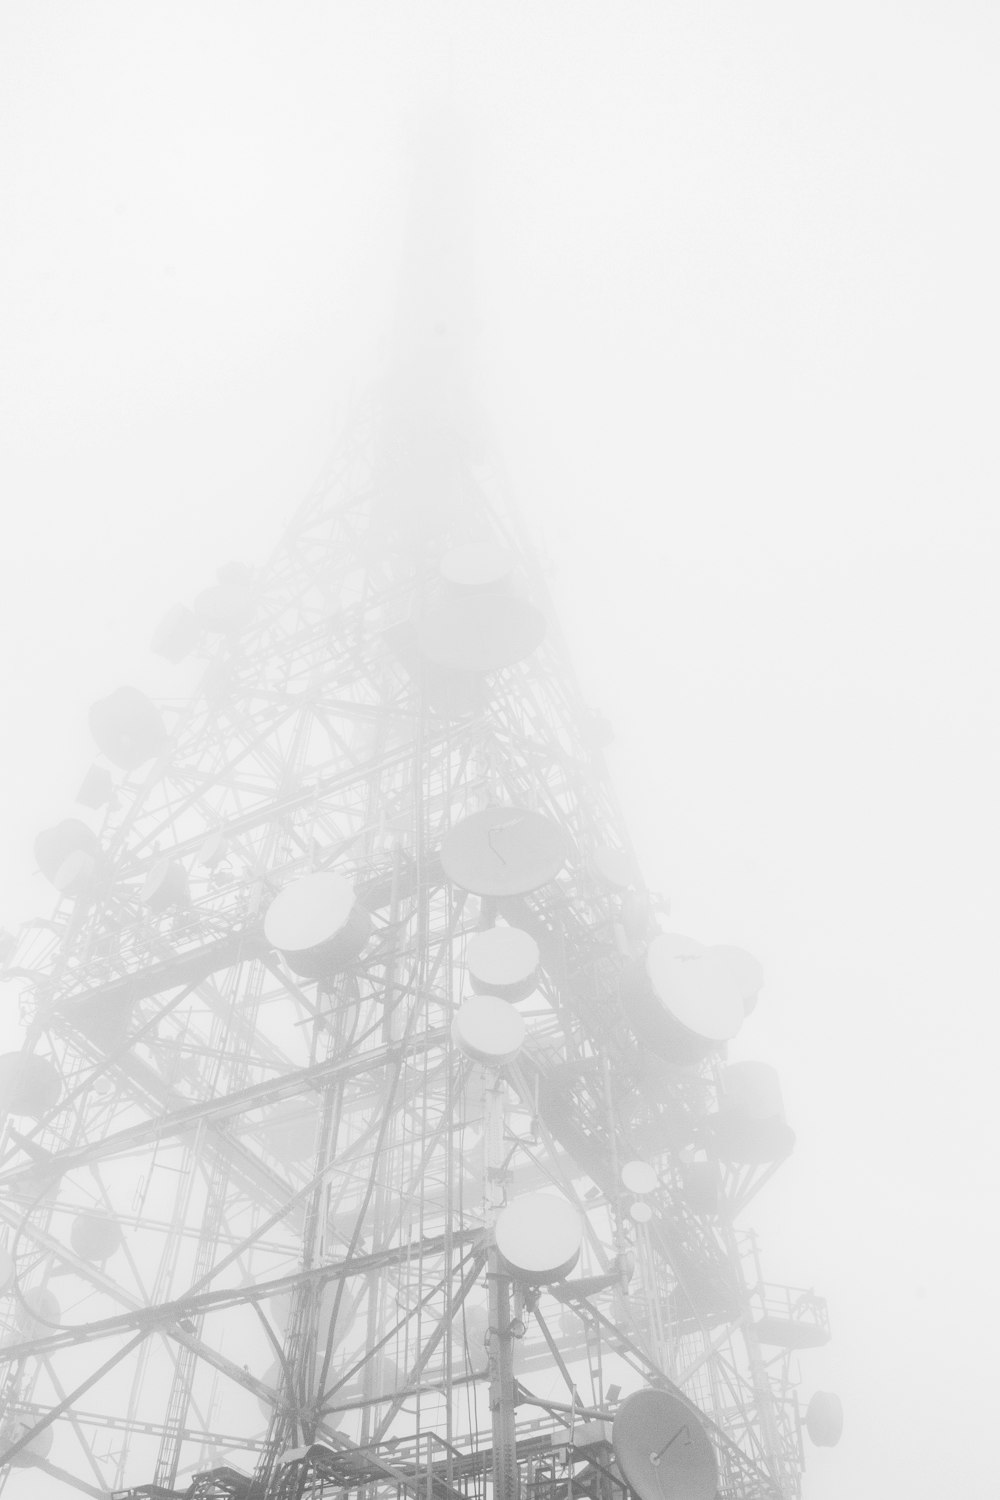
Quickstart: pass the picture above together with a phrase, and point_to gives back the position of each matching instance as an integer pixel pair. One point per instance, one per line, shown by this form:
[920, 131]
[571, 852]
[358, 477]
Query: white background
[738, 293]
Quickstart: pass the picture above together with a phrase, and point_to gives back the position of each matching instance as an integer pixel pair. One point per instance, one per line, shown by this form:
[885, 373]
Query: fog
[738, 326]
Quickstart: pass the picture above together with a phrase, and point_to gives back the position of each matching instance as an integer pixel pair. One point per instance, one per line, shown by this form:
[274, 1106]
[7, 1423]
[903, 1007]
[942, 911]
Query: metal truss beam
[166, 1315]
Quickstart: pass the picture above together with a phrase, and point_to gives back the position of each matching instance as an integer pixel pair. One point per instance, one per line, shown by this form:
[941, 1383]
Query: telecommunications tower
[373, 1133]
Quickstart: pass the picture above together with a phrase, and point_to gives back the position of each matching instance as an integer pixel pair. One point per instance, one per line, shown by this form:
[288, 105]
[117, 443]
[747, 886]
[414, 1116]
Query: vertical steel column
[500, 1344]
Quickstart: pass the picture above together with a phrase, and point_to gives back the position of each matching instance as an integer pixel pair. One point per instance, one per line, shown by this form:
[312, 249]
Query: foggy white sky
[739, 301]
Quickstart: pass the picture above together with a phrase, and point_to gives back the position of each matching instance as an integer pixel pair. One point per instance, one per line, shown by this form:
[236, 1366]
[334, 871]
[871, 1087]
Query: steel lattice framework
[307, 1298]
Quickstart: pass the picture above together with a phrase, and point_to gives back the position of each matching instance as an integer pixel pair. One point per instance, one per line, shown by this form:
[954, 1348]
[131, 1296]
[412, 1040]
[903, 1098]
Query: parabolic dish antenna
[53, 846]
[95, 1236]
[76, 873]
[662, 1449]
[699, 991]
[639, 1177]
[539, 1236]
[165, 886]
[29, 1085]
[489, 1030]
[127, 727]
[825, 1419]
[504, 851]
[38, 1311]
[212, 850]
[453, 695]
[503, 960]
[477, 565]
[37, 1449]
[317, 925]
[309, 912]
[747, 971]
[223, 606]
[481, 633]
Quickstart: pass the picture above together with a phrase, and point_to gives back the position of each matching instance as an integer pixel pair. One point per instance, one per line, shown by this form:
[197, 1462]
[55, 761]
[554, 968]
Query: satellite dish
[682, 1004]
[177, 634]
[317, 925]
[489, 1030]
[747, 971]
[504, 851]
[212, 850]
[127, 727]
[698, 990]
[639, 1177]
[37, 1313]
[35, 1451]
[539, 1237]
[480, 633]
[224, 606]
[477, 565]
[97, 787]
[76, 876]
[29, 1085]
[662, 1448]
[165, 886]
[309, 912]
[503, 961]
[54, 846]
[825, 1419]
[95, 1236]
[453, 695]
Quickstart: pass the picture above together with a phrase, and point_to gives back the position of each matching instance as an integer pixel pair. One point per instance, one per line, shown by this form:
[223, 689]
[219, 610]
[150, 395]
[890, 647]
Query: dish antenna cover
[662, 1448]
[539, 1237]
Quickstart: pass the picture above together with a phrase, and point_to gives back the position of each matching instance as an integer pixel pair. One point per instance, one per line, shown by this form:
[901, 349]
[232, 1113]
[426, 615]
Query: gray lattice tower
[259, 1186]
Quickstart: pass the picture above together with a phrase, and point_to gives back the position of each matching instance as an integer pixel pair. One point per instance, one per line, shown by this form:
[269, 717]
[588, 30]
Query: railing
[790, 1316]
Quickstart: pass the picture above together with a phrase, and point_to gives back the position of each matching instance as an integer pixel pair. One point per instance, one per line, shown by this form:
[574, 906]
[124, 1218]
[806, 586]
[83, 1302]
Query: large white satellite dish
[539, 1236]
[489, 1030]
[662, 1448]
[315, 923]
[309, 912]
[747, 971]
[698, 990]
[639, 1177]
[504, 851]
[503, 961]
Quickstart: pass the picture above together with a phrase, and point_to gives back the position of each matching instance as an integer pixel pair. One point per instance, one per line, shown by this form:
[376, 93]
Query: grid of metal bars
[296, 1166]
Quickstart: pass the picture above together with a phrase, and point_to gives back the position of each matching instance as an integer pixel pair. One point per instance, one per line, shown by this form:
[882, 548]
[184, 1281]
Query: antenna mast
[373, 1132]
